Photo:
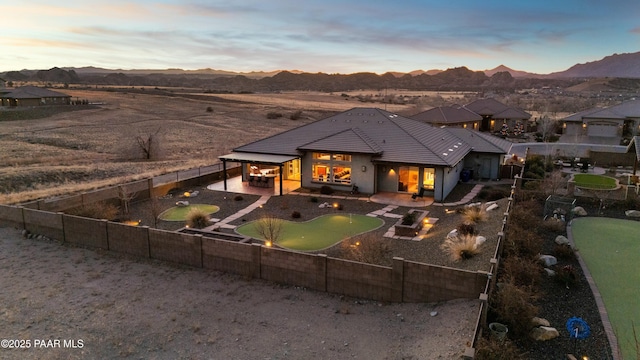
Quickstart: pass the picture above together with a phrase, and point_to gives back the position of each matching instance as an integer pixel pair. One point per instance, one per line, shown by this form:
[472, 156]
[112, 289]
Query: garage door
[603, 129]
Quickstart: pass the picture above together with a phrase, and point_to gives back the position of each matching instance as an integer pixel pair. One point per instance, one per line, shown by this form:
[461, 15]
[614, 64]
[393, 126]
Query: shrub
[197, 219]
[567, 275]
[326, 190]
[474, 214]
[492, 349]
[274, 115]
[523, 271]
[366, 248]
[493, 193]
[513, 306]
[467, 229]
[97, 210]
[460, 247]
[409, 218]
[295, 115]
[238, 198]
[296, 215]
[209, 109]
[564, 252]
[521, 241]
[554, 225]
[340, 206]
[313, 199]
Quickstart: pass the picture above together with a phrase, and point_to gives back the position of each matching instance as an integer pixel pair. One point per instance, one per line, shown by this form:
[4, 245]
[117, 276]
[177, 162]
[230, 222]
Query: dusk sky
[328, 36]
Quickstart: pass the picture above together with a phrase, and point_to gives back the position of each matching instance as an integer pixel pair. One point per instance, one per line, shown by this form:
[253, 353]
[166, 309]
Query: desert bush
[367, 248]
[296, 215]
[492, 349]
[554, 225]
[408, 218]
[274, 115]
[521, 241]
[460, 247]
[491, 193]
[97, 210]
[238, 198]
[564, 252]
[326, 190]
[295, 115]
[467, 229]
[567, 275]
[474, 214]
[523, 271]
[526, 212]
[313, 199]
[209, 109]
[514, 306]
[197, 219]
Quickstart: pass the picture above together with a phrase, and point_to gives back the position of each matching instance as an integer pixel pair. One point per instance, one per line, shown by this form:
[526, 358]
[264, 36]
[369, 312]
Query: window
[332, 168]
[428, 178]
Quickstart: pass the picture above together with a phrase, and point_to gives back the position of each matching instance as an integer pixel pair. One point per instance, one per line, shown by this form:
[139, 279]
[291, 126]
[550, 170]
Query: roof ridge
[370, 142]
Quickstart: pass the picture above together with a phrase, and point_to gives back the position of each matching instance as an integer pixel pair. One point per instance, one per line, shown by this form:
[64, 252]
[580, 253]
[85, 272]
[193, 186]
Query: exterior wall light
[364, 168]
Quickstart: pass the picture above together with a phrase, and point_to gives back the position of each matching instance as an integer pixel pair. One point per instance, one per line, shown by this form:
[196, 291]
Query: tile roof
[32, 92]
[447, 115]
[579, 115]
[635, 143]
[483, 142]
[387, 136]
[496, 109]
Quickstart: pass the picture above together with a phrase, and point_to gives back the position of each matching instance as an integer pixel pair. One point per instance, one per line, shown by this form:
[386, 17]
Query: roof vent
[445, 154]
[450, 149]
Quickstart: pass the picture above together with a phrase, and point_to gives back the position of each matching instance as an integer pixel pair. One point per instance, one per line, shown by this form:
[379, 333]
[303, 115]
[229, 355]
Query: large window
[428, 178]
[332, 168]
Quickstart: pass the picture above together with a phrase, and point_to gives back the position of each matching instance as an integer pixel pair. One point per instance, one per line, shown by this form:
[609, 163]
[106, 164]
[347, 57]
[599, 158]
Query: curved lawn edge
[616, 184]
[296, 234]
[595, 222]
[187, 208]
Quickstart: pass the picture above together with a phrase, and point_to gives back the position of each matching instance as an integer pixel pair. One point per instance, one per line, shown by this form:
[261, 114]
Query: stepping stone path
[391, 233]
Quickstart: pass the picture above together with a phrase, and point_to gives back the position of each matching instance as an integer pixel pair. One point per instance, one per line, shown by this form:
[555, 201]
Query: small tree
[125, 199]
[270, 228]
[149, 144]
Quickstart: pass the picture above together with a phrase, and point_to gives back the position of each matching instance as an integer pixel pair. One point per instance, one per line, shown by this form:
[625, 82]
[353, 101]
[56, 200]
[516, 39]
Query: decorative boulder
[548, 260]
[562, 240]
[549, 272]
[453, 233]
[632, 213]
[544, 333]
[580, 211]
[480, 240]
[537, 321]
[492, 207]
[182, 203]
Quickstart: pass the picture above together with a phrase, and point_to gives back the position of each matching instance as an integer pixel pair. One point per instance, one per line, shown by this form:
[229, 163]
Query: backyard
[610, 247]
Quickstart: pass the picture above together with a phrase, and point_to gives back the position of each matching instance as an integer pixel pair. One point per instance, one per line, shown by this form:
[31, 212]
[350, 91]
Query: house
[374, 149]
[498, 117]
[32, 96]
[454, 116]
[604, 125]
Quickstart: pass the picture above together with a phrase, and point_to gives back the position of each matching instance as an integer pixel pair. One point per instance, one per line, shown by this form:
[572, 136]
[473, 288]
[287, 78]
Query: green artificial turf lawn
[179, 213]
[611, 249]
[592, 181]
[319, 233]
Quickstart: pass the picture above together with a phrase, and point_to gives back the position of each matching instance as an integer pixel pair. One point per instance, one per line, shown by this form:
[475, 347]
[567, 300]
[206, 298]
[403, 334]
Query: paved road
[563, 149]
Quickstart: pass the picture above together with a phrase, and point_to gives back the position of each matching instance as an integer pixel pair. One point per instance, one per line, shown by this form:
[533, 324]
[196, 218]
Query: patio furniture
[418, 194]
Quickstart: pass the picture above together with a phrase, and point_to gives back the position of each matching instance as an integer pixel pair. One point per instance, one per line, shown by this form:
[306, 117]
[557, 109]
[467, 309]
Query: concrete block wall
[234, 257]
[175, 247]
[359, 280]
[127, 239]
[44, 223]
[293, 268]
[60, 204]
[85, 232]
[11, 216]
[431, 283]
[106, 194]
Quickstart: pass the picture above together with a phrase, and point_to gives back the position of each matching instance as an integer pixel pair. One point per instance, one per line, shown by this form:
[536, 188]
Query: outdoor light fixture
[364, 168]
[268, 243]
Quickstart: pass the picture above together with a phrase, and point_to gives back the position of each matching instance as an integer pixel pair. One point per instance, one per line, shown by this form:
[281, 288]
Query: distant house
[498, 117]
[453, 116]
[376, 150]
[613, 123]
[32, 96]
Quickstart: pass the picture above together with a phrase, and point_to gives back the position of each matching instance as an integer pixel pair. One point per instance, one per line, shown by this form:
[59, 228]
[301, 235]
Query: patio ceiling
[258, 158]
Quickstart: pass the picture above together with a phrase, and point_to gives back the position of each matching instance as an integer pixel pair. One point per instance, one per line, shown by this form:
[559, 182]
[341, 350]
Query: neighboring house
[614, 122]
[376, 150]
[33, 96]
[498, 117]
[450, 116]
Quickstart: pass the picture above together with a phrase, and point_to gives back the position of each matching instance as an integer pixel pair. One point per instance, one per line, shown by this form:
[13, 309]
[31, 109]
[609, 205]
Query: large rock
[480, 240]
[544, 333]
[548, 260]
[632, 213]
[537, 321]
[580, 211]
[492, 207]
[562, 240]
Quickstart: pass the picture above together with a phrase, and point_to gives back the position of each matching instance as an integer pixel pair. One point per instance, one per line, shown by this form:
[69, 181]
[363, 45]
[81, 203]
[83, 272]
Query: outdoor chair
[418, 194]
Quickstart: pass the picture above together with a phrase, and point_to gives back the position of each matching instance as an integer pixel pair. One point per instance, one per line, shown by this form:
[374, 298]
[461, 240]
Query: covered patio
[262, 173]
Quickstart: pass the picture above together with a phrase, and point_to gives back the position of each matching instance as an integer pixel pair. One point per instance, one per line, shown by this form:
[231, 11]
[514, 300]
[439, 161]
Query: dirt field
[121, 308]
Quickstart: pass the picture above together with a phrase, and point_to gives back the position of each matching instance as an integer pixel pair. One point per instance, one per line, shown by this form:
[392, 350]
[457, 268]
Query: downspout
[442, 187]
[224, 172]
[281, 179]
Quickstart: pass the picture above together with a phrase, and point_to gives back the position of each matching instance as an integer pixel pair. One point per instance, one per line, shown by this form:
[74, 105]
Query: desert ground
[131, 309]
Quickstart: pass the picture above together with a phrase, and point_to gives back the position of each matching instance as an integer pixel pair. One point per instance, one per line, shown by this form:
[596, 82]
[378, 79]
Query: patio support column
[281, 178]
[224, 173]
